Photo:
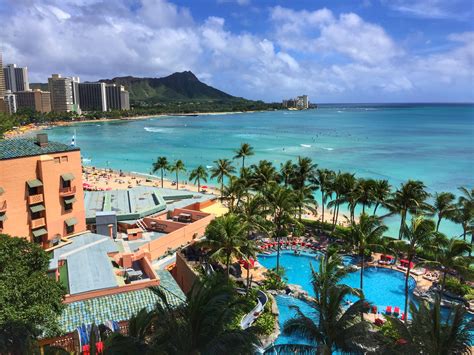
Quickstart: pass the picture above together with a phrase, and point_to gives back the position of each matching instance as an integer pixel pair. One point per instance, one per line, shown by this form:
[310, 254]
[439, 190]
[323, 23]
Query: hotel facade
[41, 195]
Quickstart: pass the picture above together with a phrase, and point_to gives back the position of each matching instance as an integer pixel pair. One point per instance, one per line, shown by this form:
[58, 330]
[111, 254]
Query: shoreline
[24, 130]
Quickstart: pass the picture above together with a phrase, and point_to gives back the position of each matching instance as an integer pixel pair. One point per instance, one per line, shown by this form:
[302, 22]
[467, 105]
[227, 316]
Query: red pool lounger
[403, 316]
[396, 310]
[388, 310]
[374, 309]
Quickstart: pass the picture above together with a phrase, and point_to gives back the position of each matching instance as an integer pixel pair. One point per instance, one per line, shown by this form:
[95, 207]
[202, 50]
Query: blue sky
[335, 51]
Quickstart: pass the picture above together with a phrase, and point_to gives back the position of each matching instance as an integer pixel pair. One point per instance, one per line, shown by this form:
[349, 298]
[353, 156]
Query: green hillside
[183, 86]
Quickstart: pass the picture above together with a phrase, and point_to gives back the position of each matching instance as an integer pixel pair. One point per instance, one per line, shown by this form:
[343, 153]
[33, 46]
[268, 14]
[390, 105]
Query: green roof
[39, 232]
[3, 217]
[71, 221]
[120, 306]
[67, 176]
[69, 200]
[1, 190]
[37, 208]
[27, 147]
[34, 183]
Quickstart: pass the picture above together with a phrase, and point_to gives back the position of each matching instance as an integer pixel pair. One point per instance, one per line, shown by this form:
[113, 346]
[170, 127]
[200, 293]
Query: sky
[334, 51]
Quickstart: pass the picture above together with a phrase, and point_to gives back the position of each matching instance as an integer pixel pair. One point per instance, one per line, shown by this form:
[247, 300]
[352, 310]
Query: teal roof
[27, 147]
[120, 306]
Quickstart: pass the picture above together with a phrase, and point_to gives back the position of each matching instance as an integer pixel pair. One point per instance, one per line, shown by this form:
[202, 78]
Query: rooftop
[27, 147]
[138, 202]
[87, 263]
[119, 306]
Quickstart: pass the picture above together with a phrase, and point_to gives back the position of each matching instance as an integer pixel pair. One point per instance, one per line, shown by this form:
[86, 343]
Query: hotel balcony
[38, 222]
[3, 206]
[33, 199]
[67, 191]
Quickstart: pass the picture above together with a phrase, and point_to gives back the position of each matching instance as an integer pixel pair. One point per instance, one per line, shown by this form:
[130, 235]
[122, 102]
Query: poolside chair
[388, 310]
[396, 311]
[403, 316]
[374, 309]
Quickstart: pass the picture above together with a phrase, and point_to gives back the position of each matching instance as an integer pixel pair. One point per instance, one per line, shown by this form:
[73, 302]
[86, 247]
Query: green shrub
[273, 281]
[455, 286]
[388, 330]
[265, 324]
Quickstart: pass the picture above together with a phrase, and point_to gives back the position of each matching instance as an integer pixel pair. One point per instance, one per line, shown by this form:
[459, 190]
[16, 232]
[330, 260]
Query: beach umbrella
[204, 187]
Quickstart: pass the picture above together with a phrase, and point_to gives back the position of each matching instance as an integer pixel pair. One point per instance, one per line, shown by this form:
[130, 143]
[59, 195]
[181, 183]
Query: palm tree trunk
[322, 204]
[402, 223]
[363, 208]
[161, 178]
[243, 163]
[222, 189]
[438, 223]
[177, 181]
[375, 209]
[228, 265]
[278, 249]
[407, 277]
[199, 185]
[337, 215]
[443, 283]
[299, 213]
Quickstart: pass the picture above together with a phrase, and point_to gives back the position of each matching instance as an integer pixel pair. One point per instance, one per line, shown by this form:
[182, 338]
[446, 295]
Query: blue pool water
[382, 287]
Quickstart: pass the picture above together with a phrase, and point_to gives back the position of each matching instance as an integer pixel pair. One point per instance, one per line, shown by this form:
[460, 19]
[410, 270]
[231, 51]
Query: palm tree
[332, 326]
[343, 185]
[162, 165]
[444, 206]
[364, 192]
[222, 169]
[381, 193]
[449, 254]
[303, 169]
[177, 167]
[304, 199]
[287, 171]
[419, 235]
[200, 325]
[139, 338]
[366, 235]
[245, 150]
[428, 333]
[323, 179]
[249, 250]
[234, 192]
[464, 213]
[225, 236]
[409, 198]
[197, 175]
[282, 204]
[263, 174]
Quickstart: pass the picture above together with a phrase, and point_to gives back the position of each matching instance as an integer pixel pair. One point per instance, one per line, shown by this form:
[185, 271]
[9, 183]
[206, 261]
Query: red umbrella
[204, 187]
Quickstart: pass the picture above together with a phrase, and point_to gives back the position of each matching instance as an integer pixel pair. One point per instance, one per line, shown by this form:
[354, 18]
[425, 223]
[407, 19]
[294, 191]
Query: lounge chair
[388, 310]
[396, 311]
[418, 272]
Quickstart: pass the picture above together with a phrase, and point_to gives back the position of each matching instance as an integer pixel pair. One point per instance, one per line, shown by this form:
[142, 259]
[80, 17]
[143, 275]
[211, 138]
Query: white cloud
[436, 9]
[332, 57]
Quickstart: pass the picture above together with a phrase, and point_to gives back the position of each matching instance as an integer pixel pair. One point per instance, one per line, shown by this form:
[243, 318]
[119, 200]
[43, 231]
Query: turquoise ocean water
[432, 143]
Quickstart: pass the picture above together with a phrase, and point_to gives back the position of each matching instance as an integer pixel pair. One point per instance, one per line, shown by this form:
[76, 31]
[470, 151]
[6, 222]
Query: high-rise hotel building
[64, 97]
[16, 79]
[3, 106]
[117, 97]
[92, 97]
[36, 100]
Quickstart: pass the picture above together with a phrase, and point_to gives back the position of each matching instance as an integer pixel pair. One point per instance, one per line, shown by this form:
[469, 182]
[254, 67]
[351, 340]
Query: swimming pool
[382, 287]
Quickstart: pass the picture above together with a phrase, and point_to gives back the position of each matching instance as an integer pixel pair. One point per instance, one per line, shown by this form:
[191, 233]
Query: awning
[3, 217]
[67, 177]
[37, 208]
[1, 190]
[71, 221]
[70, 200]
[39, 232]
[34, 183]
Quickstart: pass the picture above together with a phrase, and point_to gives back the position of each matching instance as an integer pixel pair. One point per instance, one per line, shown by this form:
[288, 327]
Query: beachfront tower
[3, 106]
[117, 97]
[92, 97]
[41, 195]
[36, 100]
[62, 97]
[16, 79]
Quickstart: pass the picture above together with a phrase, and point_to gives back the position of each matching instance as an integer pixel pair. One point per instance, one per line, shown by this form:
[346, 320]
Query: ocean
[429, 142]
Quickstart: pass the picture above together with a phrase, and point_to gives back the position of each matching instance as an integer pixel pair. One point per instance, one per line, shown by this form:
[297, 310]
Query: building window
[67, 206]
[64, 159]
[66, 183]
[57, 160]
[70, 229]
[35, 215]
[1, 225]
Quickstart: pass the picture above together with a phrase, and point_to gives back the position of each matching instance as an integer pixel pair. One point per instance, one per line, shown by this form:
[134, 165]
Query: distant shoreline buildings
[66, 94]
[298, 103]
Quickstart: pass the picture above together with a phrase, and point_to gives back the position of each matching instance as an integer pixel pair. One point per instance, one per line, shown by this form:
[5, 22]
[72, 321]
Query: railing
[38, 222]
[66, 191]
[38, 198]
[3, 206]
[250, 317]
